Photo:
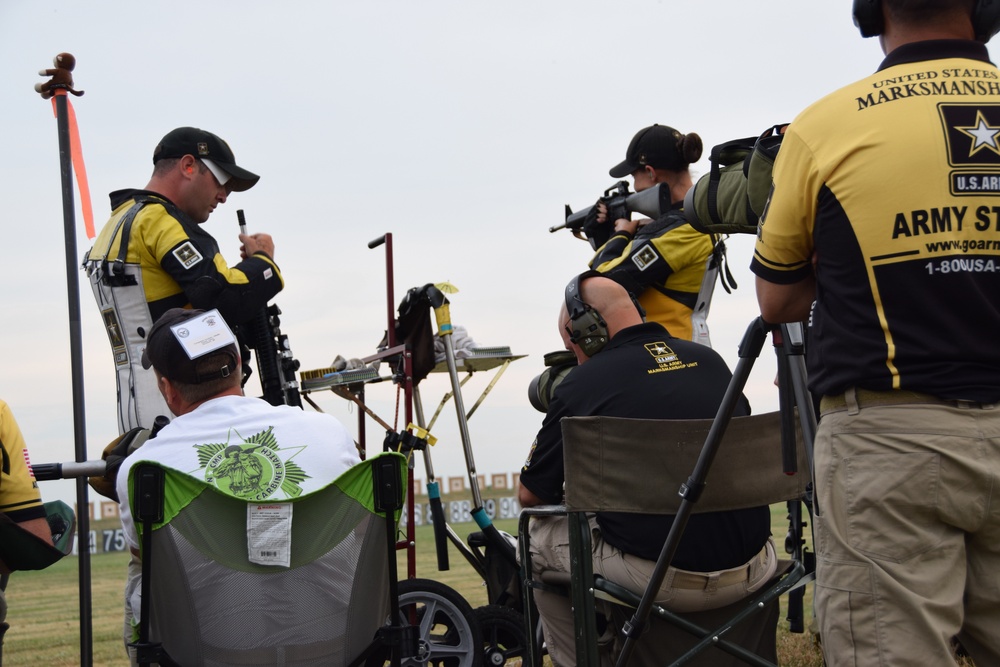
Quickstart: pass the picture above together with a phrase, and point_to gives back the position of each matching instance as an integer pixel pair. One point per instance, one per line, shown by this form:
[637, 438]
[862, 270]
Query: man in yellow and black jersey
[883, 231]
[20, 499]
[152, 255]
[665, 261]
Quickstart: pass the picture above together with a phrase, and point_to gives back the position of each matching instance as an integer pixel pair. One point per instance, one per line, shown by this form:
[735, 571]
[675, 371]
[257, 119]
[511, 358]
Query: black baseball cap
[164, 352]
[205, 145]
[655, 146]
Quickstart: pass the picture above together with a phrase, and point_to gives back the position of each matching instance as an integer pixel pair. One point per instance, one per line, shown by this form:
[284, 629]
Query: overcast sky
[463, 128]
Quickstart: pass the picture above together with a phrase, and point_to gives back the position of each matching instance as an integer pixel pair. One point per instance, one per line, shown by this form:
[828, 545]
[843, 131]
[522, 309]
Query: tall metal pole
[76, 364]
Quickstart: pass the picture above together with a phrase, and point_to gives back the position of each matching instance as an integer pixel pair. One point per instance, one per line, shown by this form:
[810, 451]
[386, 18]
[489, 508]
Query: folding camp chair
[205, 602]
[635, 465]
[22, 550]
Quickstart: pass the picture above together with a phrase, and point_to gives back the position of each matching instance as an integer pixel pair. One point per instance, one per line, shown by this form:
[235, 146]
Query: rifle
[651, 202]
[276, 365]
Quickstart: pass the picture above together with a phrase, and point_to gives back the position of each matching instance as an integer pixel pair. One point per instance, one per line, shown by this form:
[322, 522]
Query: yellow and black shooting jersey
[20, 498]
[664, 266]
[181, 263]
[889, 189]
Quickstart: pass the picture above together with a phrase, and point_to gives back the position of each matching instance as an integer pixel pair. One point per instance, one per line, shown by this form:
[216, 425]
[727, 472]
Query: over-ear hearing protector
[586, 328]
[985, 18]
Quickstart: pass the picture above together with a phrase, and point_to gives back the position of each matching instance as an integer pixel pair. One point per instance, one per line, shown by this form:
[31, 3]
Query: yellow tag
[422, 433]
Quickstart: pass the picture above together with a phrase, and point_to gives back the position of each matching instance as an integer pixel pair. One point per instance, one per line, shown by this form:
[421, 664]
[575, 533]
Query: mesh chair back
[211, 606]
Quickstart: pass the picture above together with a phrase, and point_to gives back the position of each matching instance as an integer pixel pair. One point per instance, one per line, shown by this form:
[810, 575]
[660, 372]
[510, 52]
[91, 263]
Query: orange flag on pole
[76, 153]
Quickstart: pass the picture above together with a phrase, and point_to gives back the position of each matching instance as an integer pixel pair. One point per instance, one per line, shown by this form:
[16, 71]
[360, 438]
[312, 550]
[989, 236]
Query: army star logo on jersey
[972, 137]
[971, 134]
[660, 352]
[253, 468]
[666, 359]
[187, 254]
[645, 257]
[983, 135]
[531, 452]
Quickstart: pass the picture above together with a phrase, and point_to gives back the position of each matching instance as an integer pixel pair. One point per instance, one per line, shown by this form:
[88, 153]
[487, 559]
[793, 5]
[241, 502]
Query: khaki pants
[681, 591]
[133, 581]
[908, 533]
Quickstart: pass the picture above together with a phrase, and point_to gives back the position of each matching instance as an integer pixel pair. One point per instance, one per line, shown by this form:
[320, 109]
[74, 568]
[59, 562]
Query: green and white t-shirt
[248, 449]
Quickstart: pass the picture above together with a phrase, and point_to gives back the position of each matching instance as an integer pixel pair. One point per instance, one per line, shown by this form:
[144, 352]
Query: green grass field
[44, 606]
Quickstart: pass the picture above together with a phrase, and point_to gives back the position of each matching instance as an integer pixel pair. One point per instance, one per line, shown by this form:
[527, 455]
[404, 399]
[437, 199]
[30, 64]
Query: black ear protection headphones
[985, 18]
[586, 328]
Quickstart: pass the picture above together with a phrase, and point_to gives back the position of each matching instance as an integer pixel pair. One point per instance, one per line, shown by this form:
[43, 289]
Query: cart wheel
[449, 634]
[504, 641]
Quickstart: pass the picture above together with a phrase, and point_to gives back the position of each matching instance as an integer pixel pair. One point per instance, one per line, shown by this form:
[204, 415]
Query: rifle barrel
[49, 471]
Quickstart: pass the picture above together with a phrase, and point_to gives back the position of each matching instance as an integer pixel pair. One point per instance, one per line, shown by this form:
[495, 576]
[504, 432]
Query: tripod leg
[793, 360]
[794, 393]
[793, 546]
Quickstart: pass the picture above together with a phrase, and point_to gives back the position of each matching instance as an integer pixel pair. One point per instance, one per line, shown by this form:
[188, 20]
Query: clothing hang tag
[269, 533]
[203, 333]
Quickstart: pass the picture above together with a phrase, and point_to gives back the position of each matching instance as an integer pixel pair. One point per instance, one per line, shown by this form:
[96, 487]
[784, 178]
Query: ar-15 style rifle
[275, 363]
[621, 203]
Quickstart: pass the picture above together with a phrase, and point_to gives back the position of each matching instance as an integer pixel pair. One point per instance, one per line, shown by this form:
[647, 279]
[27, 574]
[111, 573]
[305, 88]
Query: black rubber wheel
[504, 640]
[449, 634]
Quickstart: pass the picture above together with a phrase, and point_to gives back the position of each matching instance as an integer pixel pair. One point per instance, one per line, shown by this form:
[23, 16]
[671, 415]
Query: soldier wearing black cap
[272, 453]
[196, 379]
[668, 264]
[153, 255]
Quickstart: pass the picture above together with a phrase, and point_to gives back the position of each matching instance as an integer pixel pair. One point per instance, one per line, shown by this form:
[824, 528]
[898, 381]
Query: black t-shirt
[643, 373]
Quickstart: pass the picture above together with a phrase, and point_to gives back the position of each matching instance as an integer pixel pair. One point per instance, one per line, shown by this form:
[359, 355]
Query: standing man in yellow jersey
[152, 255]
[883, 230]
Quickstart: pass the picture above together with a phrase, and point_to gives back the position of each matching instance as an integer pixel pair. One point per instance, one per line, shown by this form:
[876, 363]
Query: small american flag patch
[27, 462]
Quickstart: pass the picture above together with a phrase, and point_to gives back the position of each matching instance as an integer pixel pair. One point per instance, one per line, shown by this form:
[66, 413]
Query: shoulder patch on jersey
[645, 258]
[187, 254]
